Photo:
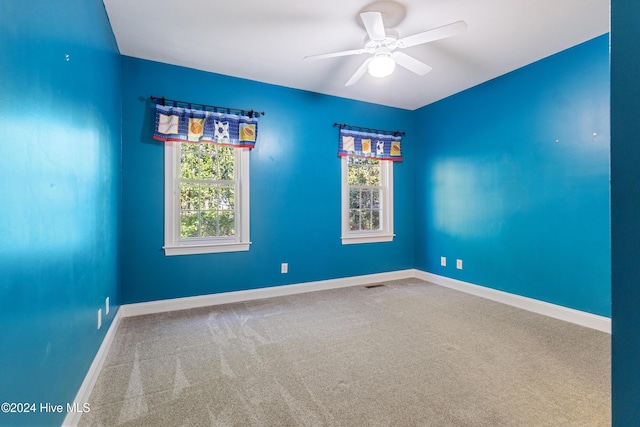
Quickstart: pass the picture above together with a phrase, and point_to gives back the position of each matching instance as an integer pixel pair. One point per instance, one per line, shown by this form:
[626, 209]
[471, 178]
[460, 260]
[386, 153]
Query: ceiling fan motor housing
[379, 46]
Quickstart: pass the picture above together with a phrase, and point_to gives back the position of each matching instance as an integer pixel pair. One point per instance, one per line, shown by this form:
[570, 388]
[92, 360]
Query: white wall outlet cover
[99, 318]
[443, 261]
[106, 306]
[284, 268]
[459, 264]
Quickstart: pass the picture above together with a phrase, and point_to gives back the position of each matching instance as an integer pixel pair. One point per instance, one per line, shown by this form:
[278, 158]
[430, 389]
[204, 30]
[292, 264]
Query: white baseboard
[161, 306]
[582, 318]
[72, 418]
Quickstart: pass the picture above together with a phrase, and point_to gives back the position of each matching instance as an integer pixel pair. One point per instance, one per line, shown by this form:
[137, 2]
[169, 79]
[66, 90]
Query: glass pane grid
[363, 171]
[365, 210]
[207, 191]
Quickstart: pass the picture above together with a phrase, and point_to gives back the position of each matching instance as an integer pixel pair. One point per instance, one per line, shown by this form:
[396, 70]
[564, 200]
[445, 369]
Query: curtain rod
[215, 108]
[359, 128]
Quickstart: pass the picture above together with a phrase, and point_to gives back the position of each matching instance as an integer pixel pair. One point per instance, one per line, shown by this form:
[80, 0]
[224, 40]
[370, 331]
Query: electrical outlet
[106, 306]
[284, 268]
[99, 318]
[459, 264]
[443, 261]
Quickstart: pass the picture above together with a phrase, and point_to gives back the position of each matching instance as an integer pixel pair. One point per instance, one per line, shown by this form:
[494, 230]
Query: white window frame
[385, 234]
[173, 244]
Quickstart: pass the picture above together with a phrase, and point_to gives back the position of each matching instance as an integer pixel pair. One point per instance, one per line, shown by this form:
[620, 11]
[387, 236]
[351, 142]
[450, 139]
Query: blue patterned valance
[370, 144]
[185, 124]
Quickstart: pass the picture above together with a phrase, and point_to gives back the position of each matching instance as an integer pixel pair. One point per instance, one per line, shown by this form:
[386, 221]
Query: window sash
[203, 208]
[364, 207]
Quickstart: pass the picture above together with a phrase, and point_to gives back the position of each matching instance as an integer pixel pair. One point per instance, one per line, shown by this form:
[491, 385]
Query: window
[367, 200]
[206, 198]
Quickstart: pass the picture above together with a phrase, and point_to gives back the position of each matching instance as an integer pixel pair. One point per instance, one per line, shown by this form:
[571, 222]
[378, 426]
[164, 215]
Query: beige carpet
[408, 353]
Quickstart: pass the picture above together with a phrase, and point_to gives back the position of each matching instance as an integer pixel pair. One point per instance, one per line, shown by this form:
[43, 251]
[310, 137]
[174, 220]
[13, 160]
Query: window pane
[209, 162]
[365, 220]
[189, 224]
[209, 224]
[190, 196]
[366, 199]
[354, 198]
[208, 198]
[354, 220]
[227, 223]
[375, 199]
[355, 175]
[189, 161]
[373, 176]
[226, 198]
[226, 163]
[375, 220]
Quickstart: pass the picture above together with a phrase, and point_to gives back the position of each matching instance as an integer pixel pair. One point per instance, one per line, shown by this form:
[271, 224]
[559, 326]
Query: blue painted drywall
[59, 197]
[295, 188]
[526, 214]
[625, 211]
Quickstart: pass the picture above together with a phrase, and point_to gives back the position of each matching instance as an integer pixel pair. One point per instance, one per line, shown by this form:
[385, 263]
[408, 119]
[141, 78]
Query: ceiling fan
[384, 44]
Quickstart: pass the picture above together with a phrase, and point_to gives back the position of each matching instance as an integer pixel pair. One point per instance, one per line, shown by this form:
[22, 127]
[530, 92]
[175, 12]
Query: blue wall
[295, 188]
[59, 197]
[625, 211]
[526, 214]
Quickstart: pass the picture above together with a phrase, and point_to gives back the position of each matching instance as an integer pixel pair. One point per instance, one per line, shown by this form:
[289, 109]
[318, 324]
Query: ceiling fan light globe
[382, 66]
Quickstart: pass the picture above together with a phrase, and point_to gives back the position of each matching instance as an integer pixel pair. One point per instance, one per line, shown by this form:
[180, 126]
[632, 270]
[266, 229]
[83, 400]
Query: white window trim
[386, 233]
[172, 243]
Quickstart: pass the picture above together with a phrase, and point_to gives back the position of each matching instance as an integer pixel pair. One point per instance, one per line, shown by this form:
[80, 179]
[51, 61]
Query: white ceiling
[266, 40]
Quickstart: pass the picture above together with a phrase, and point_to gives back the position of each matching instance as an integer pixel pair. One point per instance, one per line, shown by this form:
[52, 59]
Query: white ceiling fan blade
[359, 73]
[374, 25]
[336, 54]
[434, 34]
[410, 63]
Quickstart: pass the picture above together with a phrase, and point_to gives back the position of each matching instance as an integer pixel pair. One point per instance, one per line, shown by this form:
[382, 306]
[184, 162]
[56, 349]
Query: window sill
[376, 238]
[205, 249]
